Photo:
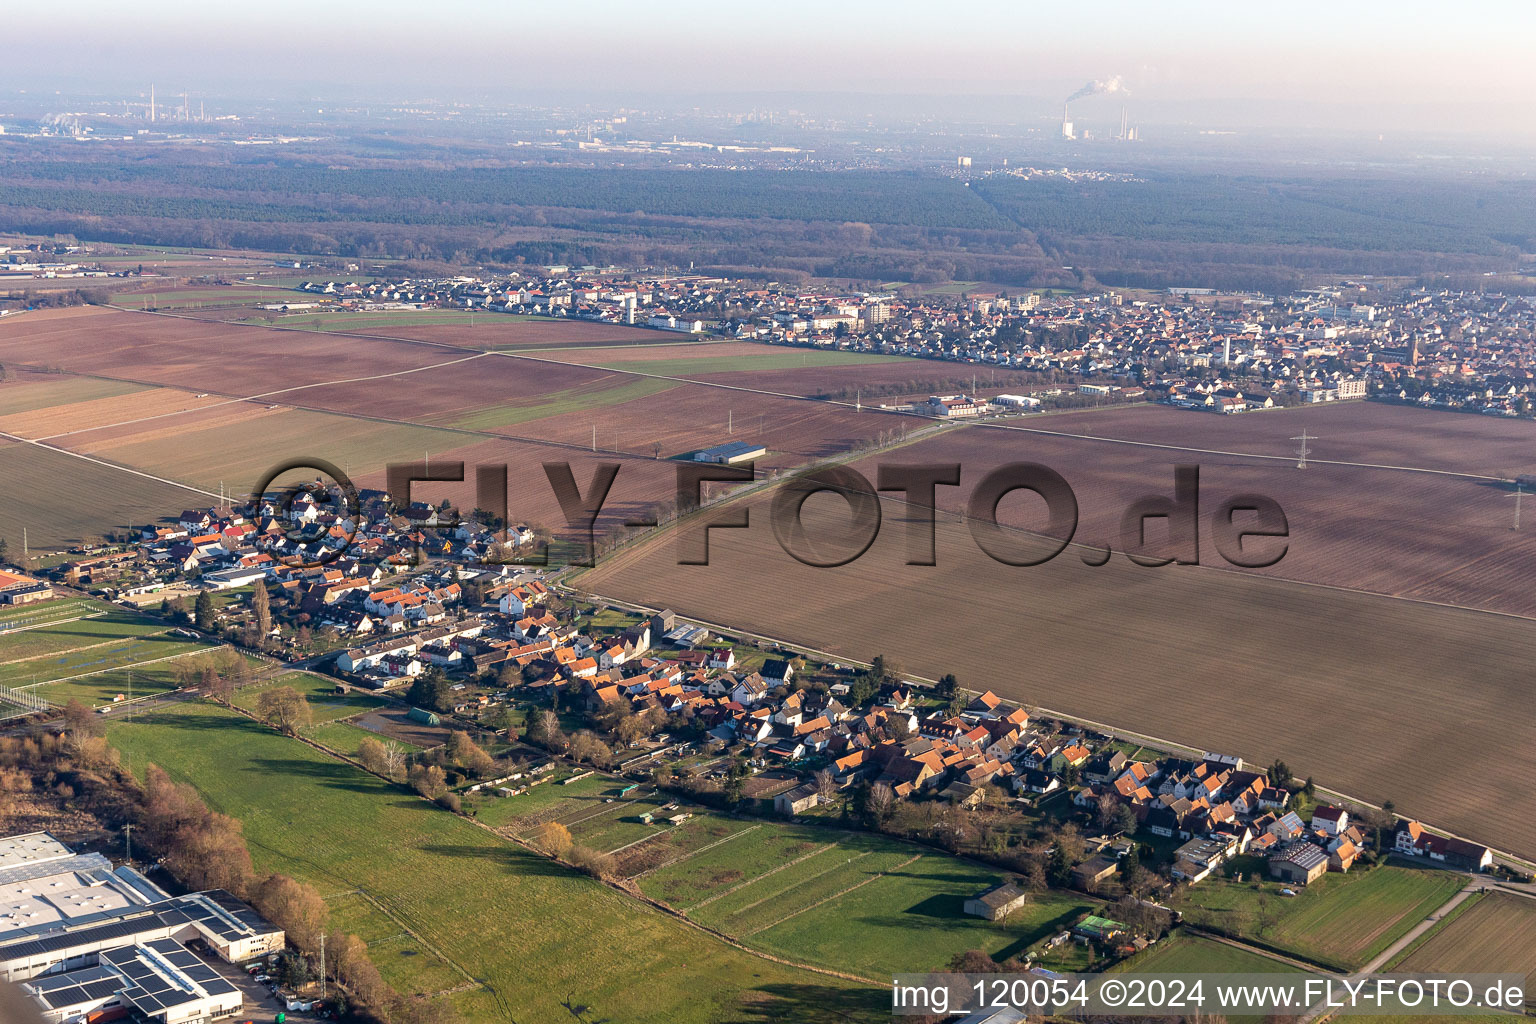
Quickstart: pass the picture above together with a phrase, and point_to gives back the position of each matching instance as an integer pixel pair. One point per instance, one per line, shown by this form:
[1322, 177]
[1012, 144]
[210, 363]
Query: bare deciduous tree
[284, 707]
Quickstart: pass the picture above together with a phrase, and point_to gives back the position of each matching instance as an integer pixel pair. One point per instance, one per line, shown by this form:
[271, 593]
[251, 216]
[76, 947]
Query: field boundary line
[522, 438]
[1268, 954]
[6, 630]
[419, 938]
[109, 465]
[76, 650]
[795, 885]
[388, 938]
[238, 400]
[619, 890]
[837, 895]
[758, 878]
[1430, 923]
[530, 829]
[694, 853]
[1156, 743]
[637, 842]
[624, 890]
[116, 668]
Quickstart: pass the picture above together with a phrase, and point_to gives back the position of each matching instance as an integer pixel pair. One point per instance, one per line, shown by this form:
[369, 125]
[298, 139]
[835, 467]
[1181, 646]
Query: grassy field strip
[637, 842]
[113, 668]
[25, 614]
[1431, 925]
[694, 853]
[757, 878]
[797, 883]
[615, 830]
[1340, 922]
[836, 895]
[57, 638]
[7, 629]
[434, 950]
[605, 809]
[76, 650]
[1496, 931]
[1422, 939]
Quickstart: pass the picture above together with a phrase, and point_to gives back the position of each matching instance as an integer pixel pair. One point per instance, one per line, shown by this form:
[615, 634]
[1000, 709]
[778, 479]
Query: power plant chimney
[151, 103]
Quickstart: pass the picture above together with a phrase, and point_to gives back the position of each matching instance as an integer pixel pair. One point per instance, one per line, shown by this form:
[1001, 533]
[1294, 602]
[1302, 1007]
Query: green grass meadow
[534, 932]
[1339, 921]
[69, 636]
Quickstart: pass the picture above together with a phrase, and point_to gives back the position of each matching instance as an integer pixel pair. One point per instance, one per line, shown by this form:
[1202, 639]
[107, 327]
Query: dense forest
[1166, 230]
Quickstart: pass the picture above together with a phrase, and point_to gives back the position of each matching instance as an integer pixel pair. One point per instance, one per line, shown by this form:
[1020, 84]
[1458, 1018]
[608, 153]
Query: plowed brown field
[1361, 691]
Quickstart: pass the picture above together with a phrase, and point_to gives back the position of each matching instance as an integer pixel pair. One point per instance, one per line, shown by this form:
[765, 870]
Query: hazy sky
[1446, 63]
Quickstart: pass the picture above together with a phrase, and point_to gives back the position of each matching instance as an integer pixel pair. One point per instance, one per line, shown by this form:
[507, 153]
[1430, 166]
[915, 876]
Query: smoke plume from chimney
[1097, 88]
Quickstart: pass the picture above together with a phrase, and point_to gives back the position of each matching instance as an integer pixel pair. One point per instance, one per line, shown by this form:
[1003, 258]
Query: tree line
[201, 849]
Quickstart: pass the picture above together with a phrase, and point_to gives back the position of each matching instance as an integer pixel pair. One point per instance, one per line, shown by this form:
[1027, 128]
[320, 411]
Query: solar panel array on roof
[218, 912]
[16, 874]
[90, 985]
[123, 928]
[162, 974]
[149, 891]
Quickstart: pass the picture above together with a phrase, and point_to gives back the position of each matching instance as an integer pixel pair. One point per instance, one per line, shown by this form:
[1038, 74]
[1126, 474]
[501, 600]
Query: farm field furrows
[793, 370]
[198, 355]
[1406, 534]
[1367, 432]
[504, 332]
[535, 932]
[642, 481]
[1499, 929]
[690, 416]
[25, 392]
[734, 357]
[135, 403]
[63, 500]
[484, 393]
[196, 297]
[1341, 920]
[1331, 681]
[235, 445]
